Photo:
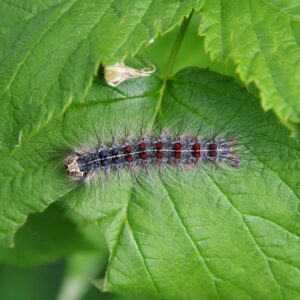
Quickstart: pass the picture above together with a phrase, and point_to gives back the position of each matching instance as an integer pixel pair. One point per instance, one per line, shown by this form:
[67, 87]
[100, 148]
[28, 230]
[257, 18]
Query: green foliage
[57, 51]
[60, 72]
[263, 38]
[43, 238]
[30, 284]
[206, 233]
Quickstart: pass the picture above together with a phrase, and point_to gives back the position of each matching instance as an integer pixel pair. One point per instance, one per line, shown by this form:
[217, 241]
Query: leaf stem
[170, 65]
[177, 45]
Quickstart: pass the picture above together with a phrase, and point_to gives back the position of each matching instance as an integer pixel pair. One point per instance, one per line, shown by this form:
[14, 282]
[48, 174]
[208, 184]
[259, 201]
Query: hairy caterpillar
[147, 151]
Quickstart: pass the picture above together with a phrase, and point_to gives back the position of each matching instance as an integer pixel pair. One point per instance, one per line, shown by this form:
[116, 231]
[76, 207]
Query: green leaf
[25, 188]
[211, 233]
[202, 233]
[53, 235]
[263, 38]
[48, 58]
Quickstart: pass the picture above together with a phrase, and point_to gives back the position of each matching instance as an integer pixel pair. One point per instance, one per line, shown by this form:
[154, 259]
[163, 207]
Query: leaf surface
[48, 57]
[207, 233]
[263, 38]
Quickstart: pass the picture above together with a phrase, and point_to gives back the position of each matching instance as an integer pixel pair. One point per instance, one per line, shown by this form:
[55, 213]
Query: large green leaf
[49, 54]
[204, 233]
[213, 233]
[263, 39]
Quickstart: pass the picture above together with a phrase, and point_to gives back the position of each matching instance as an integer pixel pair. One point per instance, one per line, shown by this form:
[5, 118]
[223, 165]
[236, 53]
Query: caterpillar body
[151, 151]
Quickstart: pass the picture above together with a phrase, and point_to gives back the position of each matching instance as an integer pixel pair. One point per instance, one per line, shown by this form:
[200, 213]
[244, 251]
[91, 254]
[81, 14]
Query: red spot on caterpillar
[177, 146]
[143, 146]
[212, 150]
[159, 155]
[144, 155]
[196, 146]
[159, 145]
[213, 153]
[127, 149]
[212, 146]
[177, 155]
[196, 154]
[129, 158]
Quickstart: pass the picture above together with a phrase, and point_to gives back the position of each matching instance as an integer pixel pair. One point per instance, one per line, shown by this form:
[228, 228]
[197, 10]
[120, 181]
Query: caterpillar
[152, 151]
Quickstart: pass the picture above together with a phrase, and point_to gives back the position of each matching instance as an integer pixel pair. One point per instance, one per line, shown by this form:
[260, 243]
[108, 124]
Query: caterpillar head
[73, 167]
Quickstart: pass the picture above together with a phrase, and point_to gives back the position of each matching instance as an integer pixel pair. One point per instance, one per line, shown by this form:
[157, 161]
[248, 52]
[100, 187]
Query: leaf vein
[275, 224]
[143, 259]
